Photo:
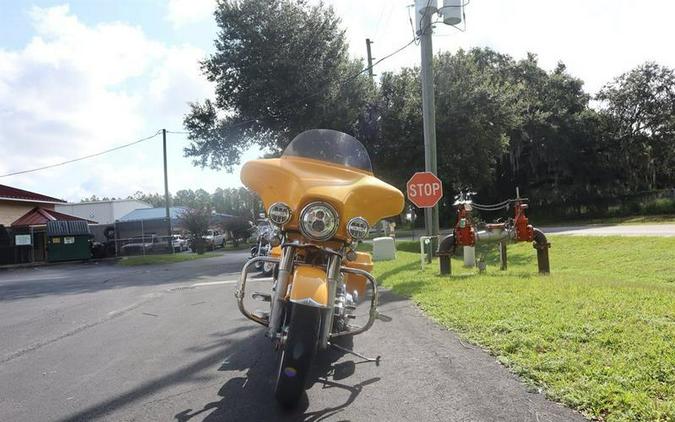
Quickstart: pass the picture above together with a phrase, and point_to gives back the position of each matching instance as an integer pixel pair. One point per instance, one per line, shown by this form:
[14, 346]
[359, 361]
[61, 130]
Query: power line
[84, 157]
[379, 20]
[345, 81]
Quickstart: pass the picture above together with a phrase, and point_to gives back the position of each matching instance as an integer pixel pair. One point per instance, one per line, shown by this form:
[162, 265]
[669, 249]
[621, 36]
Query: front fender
[309, 287]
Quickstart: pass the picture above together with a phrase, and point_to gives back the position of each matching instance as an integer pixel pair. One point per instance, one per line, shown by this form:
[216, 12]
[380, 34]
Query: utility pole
[426, 9]
[166, 194]
[370, 58]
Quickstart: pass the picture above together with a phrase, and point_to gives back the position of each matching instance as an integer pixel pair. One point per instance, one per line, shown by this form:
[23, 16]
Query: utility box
[68, 241]
[384, 249]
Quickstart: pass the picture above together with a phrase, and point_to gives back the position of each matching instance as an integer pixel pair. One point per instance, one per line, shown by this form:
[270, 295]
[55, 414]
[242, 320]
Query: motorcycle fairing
[297, 181]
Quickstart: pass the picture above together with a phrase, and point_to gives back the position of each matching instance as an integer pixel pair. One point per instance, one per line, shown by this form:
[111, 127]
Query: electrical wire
[83, 157]
[412, 25]
[426, 10]
[379, 21]
[245, 122]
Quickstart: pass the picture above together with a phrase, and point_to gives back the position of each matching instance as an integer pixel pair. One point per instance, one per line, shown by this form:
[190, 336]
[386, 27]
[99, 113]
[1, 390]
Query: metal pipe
[542, 246]
[502, 256]
[446, 248]
[494, 235]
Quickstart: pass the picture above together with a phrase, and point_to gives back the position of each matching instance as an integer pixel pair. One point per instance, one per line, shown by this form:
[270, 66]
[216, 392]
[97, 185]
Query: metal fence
[22, 246]
[141, 237]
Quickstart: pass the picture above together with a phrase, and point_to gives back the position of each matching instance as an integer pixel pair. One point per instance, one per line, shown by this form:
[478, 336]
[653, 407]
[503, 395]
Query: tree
[639, 108]
[240, 228]
[553, 148]
[474, 111]
[280, 67]
[196, 222]
[154, 199]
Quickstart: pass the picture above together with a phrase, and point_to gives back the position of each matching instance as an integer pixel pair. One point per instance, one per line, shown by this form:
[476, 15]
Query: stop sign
[424, 189]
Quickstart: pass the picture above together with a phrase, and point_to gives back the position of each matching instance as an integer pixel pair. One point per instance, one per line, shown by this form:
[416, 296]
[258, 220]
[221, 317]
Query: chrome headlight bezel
[358, 228]
[326, 234]
[279, 213]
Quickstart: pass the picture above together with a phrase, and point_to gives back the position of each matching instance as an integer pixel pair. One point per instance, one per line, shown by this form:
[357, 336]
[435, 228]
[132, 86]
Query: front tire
[296, 358]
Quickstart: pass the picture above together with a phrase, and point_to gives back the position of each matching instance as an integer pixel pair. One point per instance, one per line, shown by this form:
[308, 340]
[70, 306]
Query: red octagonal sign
[424, 189]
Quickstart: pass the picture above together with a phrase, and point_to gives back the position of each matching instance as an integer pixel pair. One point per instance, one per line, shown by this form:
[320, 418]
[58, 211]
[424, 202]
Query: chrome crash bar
[372, 315]
[240, 293]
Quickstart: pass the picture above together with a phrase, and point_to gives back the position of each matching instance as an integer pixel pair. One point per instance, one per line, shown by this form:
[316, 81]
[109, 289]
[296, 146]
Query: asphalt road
[104, 342]
[614, 230]
[642, 229]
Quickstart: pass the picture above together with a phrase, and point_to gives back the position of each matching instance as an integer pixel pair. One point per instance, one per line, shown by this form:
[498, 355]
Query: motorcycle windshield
[330, 146]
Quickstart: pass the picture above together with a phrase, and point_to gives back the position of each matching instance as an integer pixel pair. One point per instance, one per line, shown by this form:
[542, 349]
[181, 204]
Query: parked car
[214, 239]
[179, 243]
[140, 245]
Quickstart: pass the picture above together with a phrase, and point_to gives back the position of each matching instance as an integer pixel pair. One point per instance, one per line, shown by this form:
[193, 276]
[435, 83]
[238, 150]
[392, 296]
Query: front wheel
[296, 358]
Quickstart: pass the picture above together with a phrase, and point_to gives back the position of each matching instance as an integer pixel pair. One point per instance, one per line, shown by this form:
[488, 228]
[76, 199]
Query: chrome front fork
[332, 279]
[280, 289]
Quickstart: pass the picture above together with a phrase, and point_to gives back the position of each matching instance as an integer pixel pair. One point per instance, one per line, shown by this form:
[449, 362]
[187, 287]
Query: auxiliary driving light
[279, 213]
[358, 228]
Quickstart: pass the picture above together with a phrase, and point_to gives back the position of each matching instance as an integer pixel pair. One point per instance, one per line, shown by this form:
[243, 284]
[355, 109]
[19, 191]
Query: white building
[103, 212]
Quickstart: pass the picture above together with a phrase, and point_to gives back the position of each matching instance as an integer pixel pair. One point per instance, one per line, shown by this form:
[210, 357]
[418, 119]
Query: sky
[79, 77]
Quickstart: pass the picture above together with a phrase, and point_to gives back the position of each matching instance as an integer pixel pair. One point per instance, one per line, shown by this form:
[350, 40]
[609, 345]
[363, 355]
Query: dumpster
[68, 240]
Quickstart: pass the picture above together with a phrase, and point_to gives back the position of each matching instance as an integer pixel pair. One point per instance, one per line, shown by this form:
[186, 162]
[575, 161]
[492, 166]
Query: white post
[469, 256]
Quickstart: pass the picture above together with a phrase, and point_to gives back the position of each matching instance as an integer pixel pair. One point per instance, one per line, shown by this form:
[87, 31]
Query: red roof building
[15, 202]
[16, 194]
[39, 216]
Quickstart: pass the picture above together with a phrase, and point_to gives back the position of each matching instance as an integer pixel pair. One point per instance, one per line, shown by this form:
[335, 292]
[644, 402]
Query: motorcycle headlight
[319, 221]
[358, 228]
[279, 213]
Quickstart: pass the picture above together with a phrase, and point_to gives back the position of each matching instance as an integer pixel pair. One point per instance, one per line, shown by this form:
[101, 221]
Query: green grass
[130, 261]
[598, 334]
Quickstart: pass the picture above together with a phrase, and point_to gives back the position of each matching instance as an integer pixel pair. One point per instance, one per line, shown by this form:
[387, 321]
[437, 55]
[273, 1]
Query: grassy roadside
[179, 257]
[598, 334]
[130, 261]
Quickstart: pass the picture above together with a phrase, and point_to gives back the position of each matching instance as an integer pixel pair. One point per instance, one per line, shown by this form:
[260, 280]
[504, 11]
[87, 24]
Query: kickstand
[367, 359]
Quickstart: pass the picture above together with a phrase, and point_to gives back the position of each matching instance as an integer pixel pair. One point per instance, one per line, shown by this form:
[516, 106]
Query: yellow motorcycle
[322, 198]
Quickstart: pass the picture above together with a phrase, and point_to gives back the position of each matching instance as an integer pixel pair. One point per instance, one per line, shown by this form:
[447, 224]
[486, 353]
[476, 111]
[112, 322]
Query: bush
[196, 221]
[659, 206]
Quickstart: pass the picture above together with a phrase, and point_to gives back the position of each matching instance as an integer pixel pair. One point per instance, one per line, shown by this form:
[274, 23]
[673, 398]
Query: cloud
[186, 12]
[597, 40]
[76, 89]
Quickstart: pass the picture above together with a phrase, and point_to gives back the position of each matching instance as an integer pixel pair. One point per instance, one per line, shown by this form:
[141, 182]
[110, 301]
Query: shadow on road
[189, 373]
[250, 397]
